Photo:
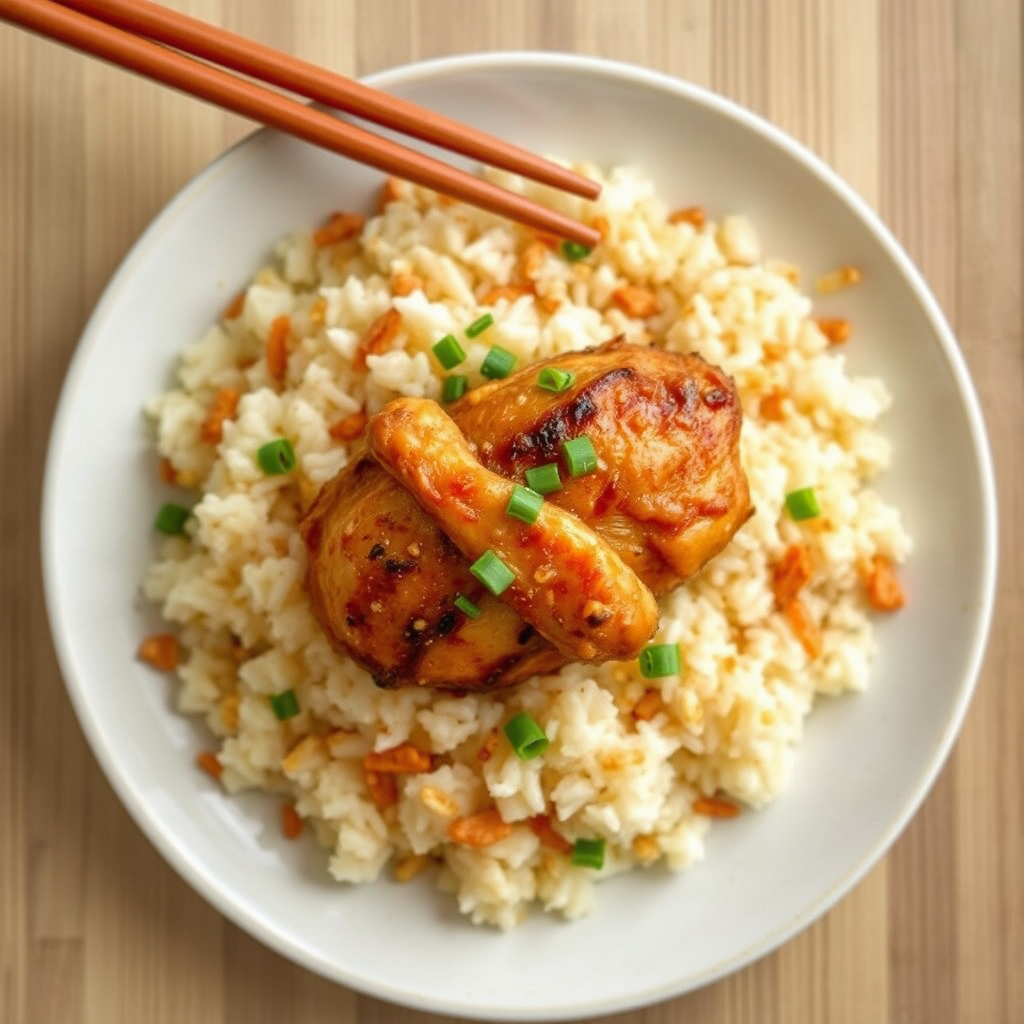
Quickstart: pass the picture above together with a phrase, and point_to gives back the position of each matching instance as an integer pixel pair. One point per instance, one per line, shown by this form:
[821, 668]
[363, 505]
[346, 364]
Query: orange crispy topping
[618, 760]
[235, 306]
[481, 829]
[161, 651]
[773, 405]
[382, 788]
[837, 280]
[390, 192]
[291, 822]
[549, 305]
[304, 755]
[210, 763]
[540, 825]
[773, 351]
[439, 801]
[403, 758]
[715, 807]
[511, 292]
[349, 428]
[378, 338]
[406, 284]
[277, 347]
[229, 712]
[805, 628]
[885, 593]
[167, 471]
[694, 215]
[409, 867]
[223, 407]
[339, 226]
[318, 312]
[648, 706]
[790, 573]
[635, 301]
[646, 849]
[836, 329]
[600, 225]
[307, 495]
[531, 260]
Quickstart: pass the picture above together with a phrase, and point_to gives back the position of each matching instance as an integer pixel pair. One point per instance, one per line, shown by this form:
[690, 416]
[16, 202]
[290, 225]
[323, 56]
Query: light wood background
[918, 103]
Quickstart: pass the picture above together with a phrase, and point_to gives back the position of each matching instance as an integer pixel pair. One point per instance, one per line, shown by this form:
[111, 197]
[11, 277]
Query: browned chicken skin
[668, 494]
[569, 584]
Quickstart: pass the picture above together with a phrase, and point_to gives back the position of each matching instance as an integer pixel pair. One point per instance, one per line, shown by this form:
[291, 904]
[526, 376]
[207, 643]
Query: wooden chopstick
[101, 39]
[162, 25]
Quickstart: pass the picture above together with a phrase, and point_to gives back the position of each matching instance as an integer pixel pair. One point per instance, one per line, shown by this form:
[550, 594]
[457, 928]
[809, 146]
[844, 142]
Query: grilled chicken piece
[668, 495]
[568, 583]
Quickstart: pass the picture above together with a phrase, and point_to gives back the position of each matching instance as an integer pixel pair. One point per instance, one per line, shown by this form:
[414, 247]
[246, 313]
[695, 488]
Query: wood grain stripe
[918, 103]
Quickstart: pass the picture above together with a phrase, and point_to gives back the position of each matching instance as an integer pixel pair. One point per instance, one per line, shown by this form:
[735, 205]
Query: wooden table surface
[918, 103]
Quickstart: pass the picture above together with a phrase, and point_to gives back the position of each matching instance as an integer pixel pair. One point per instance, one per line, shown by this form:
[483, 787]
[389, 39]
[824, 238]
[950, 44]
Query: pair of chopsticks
[181, 52]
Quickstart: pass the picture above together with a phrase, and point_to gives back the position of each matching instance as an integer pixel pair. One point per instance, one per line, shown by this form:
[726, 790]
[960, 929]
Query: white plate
[866, 762]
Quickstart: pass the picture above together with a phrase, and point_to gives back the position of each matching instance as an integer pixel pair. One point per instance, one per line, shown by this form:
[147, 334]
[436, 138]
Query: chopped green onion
[528, 739]
[574, 251]
[454, 387]
[467, 607]
[588, 853]
[802, 504]
[524, 504]
[552, 379]
[580, 457]
[477, 327]
[171, 519]
[285, 705]
[448, 351]
[657, 660]
[497, 363]
[276, 457]
[544, 479]
[492, 572]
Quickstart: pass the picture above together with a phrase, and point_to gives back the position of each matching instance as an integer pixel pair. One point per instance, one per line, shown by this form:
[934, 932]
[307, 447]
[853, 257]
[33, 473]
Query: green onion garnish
[657, 660]
[285, 705]
[467, 607]
[580, 456]
[802, 504]
[276, 457]
[454, 387]
[448, 351]
[171, 519]
[528, 739]
[588, 853]
[574, 251]
[544, 479]
[524, 504]
[497, 363]
[492, 572]
[477, 327]
[552, 379]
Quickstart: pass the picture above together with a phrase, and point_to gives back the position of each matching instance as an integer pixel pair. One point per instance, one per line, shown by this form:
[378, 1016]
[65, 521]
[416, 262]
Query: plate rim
[247, 917]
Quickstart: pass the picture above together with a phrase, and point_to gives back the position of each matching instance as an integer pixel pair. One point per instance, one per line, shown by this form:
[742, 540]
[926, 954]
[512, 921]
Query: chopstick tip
[583, 234]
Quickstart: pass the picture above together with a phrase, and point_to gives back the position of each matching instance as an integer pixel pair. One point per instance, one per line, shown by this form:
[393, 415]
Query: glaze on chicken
[570, 585]
[668, 494]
